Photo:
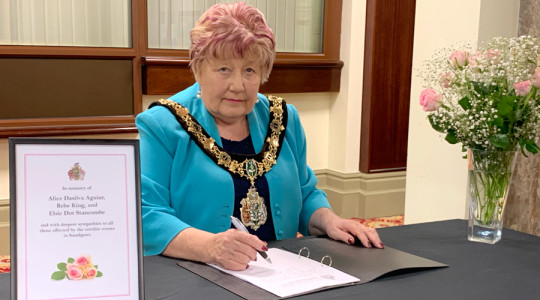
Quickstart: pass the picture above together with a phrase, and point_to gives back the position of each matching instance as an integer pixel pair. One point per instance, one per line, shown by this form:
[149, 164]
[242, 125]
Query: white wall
[436, 173]
[345, 108]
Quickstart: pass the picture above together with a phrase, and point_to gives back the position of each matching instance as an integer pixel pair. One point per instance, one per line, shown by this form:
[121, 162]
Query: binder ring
[300, 252]
[329, 262]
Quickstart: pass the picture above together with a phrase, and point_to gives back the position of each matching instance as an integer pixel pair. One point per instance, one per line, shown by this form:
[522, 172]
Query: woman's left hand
[325, 221]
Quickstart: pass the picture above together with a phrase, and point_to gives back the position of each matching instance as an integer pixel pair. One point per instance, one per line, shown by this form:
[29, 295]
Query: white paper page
[290, 275]
[76, 203]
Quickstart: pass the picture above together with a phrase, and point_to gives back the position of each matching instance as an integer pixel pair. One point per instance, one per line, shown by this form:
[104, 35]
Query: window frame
[79, 125]
[165, 72]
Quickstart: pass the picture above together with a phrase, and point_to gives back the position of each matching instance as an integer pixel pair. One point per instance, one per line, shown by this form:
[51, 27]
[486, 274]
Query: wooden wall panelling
[163, 76]
[386, 90]
[45, 123]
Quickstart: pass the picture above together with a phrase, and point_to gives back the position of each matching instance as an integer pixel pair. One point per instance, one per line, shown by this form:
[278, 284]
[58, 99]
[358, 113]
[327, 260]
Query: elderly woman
[219, 149]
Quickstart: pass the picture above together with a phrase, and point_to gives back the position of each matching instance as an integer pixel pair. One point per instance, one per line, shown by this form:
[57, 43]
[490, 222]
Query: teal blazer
[182, 187]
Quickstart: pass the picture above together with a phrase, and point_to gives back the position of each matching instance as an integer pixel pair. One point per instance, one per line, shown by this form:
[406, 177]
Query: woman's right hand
[234, 249]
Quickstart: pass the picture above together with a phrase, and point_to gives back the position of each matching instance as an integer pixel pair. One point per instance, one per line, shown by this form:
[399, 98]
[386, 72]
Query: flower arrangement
[486, 99]
[489, 101]
[77, 269]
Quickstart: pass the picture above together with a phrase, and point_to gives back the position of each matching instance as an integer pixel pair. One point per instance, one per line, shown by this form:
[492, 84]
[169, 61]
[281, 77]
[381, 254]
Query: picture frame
[75, 216]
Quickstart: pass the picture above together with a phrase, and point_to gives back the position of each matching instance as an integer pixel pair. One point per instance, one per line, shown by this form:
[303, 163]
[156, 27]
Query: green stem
[489, 181]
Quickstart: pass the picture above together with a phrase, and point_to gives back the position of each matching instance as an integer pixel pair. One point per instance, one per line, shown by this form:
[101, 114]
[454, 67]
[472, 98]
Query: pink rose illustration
[458, 59]
[536, 78]
[90, 273]
[74, 272]
[77, 269]
[430, 100]
[83, 260]
[522, 88]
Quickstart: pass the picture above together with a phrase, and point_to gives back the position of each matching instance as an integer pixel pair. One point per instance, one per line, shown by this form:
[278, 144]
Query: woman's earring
[257, 100]
[199, 93]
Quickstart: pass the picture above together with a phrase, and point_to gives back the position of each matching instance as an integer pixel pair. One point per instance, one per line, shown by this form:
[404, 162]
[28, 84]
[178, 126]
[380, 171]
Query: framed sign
[75, 219]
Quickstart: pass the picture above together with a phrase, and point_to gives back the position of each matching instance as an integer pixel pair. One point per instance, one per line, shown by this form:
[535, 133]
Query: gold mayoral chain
[253, 210]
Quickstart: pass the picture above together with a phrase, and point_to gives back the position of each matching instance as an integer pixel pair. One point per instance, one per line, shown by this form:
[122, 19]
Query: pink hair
[234, 29]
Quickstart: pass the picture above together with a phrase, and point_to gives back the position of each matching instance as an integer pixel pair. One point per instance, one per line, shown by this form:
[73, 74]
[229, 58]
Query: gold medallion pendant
[253, 211]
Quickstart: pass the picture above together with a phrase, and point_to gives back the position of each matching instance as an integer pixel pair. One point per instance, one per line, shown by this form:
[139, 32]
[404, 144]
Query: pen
[243, 228]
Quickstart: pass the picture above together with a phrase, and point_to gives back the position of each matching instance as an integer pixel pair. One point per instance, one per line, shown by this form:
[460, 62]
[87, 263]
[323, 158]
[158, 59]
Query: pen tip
[268, 260]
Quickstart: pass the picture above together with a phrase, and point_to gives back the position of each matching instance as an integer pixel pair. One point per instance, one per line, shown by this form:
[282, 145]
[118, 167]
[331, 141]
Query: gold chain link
[223, 158]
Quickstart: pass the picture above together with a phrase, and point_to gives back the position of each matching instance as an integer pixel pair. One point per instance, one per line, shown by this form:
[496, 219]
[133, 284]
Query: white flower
[481, 92]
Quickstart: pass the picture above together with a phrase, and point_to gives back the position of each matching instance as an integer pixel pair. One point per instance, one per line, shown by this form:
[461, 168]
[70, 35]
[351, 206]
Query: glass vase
[490, 172]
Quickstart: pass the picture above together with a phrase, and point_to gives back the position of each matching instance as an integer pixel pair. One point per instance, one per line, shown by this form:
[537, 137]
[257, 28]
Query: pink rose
[536, 78]
[522, 88]
[494, 56]
[90, 273]
[74, 272]
[473, 59]
[430, 100]
[458, 59]
[446, 79]
[83, 260]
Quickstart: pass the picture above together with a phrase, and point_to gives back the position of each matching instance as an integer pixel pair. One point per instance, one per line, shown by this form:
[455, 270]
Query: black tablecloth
[509, 269]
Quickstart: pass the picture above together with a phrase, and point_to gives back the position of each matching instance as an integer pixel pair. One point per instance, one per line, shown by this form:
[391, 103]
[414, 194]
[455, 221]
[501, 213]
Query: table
[509, 269]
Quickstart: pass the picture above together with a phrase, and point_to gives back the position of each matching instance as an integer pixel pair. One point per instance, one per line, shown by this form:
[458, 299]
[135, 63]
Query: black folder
[366, 264]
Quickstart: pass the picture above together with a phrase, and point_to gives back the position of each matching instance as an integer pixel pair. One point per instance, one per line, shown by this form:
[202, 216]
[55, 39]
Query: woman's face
[229, 87]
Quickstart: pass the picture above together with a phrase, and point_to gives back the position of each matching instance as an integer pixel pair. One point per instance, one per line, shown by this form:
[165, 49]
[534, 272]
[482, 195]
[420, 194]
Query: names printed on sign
[76, 223]
[76, 201]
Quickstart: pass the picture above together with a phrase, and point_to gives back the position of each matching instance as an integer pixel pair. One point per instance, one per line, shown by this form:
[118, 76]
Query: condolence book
[291, 274]
[330, 264]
